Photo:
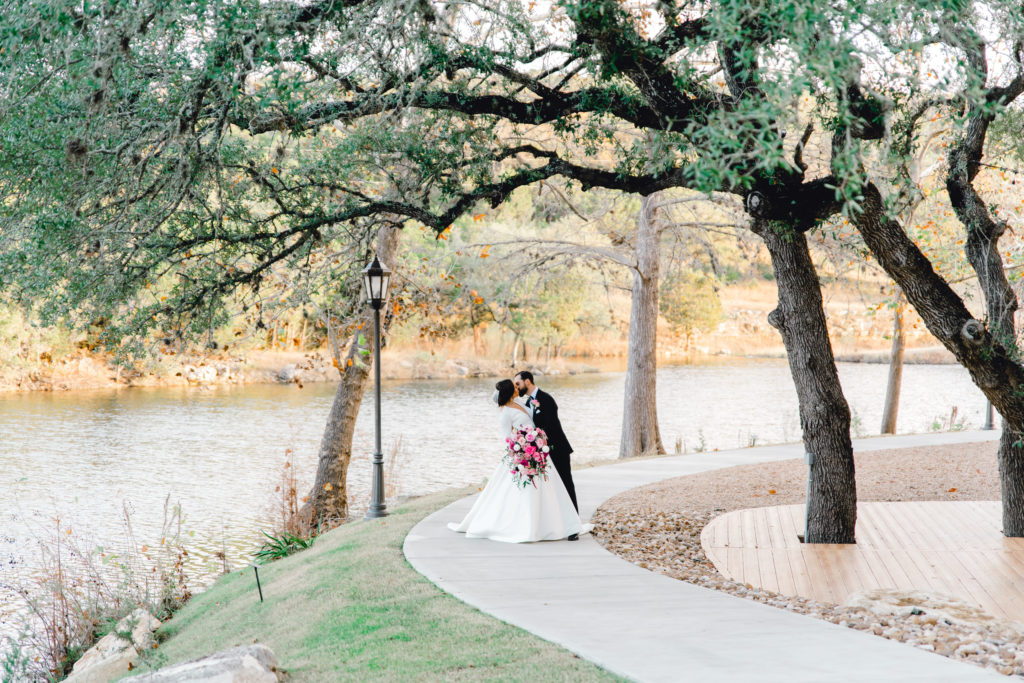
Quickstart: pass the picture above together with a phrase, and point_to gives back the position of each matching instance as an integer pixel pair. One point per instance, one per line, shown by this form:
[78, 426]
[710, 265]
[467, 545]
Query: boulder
[114, 656]
[203, 374]
[247, 664]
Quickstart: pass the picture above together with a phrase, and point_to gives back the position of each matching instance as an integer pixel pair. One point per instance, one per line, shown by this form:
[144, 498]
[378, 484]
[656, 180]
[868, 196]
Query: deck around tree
[955, 548]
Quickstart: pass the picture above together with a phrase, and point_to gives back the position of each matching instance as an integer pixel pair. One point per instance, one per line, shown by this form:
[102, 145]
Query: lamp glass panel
[368, 285]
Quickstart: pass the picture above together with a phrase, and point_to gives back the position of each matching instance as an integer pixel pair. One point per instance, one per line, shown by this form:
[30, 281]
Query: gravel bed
[658, 527]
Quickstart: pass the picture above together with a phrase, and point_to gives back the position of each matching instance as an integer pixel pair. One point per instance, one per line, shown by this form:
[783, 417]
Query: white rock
[935, 606]
[113, 656]
[204, 374]
[247, 664]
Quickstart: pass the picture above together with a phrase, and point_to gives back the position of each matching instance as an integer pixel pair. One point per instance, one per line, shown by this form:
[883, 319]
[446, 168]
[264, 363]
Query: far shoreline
[86, 372]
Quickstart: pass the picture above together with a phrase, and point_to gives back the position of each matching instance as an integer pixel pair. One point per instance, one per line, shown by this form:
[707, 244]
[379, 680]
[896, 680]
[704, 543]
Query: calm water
[219, 452]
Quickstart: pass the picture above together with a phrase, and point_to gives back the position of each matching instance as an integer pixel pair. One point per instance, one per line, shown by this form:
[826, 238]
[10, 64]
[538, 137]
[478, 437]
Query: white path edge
[647, 627]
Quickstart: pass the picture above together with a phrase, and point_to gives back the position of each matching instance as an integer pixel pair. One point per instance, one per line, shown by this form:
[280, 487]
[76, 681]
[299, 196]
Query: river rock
[288, 373]
[247, 664]
[113, 656]
[460, 370]
[929, 607]
[202, 374]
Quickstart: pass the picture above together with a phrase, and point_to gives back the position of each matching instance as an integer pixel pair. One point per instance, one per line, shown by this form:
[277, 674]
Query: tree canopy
[158, 158]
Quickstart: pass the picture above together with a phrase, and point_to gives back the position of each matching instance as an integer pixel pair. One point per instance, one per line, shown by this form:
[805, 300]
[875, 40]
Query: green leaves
[276, 547]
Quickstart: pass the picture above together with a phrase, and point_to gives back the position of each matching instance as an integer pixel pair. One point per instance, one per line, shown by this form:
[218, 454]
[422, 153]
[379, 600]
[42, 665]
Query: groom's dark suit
[545, 416]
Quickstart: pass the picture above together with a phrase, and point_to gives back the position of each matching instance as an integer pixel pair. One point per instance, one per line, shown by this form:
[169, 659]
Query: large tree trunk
[993, 368]
[982, 248]
[892, 389]
[328, 501]
[640, 434]
[824, 413]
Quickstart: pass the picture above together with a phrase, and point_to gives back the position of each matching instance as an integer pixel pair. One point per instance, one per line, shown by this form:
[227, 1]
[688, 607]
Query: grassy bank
[351, 608]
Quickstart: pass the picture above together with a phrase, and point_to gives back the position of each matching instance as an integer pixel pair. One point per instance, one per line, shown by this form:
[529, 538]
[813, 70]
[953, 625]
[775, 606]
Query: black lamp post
[376, 278]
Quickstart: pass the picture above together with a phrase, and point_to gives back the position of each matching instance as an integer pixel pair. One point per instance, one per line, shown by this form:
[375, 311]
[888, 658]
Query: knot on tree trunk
[972, 332]
[775, 319]
[756, 204]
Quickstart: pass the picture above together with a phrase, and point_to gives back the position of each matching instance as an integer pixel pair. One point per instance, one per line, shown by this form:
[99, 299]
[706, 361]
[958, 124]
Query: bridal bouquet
[527, 455]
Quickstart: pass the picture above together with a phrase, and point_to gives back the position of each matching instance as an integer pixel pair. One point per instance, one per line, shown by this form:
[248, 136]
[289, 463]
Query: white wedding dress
[510, 513]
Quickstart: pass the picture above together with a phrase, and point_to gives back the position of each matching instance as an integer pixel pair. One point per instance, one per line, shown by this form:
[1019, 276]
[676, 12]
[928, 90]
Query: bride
[507, 512]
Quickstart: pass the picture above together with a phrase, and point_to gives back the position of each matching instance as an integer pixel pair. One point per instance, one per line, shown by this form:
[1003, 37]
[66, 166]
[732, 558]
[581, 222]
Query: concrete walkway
[648, 627]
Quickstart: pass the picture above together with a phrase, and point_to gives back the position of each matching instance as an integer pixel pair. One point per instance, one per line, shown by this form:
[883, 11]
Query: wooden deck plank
[762, 536]
[776, 530]
[748, 549]
[918, 549]
[949, 559]
[870, 540]
[985, 583]
[783, 569]
[721, 531]
[790, 521]
[955, 548]
[734, 555]
[735, 522]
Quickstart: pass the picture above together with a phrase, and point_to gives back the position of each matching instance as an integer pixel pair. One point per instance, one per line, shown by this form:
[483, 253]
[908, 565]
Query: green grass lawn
[351, 608]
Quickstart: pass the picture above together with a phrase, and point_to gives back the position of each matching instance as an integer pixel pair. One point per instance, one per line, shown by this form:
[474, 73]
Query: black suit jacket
[545, 416]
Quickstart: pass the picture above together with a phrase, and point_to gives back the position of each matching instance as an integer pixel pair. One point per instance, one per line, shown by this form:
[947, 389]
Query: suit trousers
[561, 463]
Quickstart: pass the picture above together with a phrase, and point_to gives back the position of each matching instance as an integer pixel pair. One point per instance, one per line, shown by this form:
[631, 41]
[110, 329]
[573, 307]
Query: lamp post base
[377, 507]
[376, 513]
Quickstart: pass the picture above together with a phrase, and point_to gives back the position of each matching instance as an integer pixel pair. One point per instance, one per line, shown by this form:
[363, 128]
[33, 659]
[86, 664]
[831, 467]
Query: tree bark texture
[824, 413]
[993, 368]
[892, 389]
[328, 501]
[640, 433]
[982, 248]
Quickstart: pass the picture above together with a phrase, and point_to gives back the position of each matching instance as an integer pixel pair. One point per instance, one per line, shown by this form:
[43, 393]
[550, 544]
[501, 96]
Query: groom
[545, 416]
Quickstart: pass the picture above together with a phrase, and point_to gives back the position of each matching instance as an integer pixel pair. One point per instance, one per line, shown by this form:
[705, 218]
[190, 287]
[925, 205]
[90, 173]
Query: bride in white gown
[507, 512]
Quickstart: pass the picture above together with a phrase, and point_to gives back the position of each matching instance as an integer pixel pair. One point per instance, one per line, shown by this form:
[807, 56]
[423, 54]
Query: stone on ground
[246, 664]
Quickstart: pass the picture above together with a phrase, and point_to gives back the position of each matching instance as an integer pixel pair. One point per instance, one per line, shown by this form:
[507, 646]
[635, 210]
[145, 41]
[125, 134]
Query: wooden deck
[955, 548]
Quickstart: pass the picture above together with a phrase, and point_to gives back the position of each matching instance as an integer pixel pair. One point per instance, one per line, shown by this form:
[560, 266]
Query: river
[219, 452]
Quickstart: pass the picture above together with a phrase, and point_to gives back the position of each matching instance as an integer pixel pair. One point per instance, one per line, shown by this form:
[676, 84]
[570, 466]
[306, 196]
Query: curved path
[649, 627]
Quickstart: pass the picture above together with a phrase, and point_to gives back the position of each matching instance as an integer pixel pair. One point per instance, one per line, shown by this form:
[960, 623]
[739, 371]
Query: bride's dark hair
[506, 390]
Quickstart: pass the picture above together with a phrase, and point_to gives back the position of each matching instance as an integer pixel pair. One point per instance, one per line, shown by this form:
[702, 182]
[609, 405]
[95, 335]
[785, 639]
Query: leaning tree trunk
[640, 434]
[892, 388]
[328, 501]
[995, 369]
[824, 413]
[982, 248]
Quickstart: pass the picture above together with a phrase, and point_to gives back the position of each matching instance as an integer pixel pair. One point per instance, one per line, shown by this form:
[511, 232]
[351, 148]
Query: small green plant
[702, 444]
[283, 545]
[949, 424]
[856, 423]
[16, 663]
